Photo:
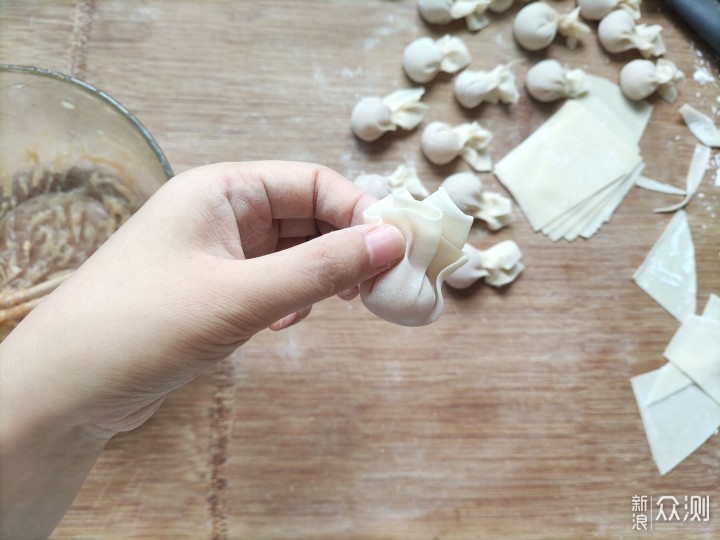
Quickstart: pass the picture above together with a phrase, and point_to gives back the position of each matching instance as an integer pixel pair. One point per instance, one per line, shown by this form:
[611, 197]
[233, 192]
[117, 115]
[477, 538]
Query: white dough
[674, 427]
[371, 119]
[594, 10]
[495, 210]
[402, 177]
[695, 349]
[658, 187]
[436, 11]
[701, 125]
[570, 27]
[567, 161]
[435, 230]
[475, 87]
[376, 185]
[669, 381]
[441, 143]
[668, 272]
[641, 78]
[536, 25]
[473, 11]
[424, 58]
[698, 165]
[678, 425]
[500, 6]
[712, 308]
[618, 32]
[499, 265]
[605, 97]
[554, 174]
[373, 116]
[466, 191]
[548, 81]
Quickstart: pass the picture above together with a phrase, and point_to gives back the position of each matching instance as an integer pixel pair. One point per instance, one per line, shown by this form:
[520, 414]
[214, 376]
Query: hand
[216, 255]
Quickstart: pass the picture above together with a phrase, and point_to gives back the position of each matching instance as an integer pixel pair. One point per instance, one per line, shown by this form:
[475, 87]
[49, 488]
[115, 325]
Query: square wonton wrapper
[679, 424]
[695, 349]
[604, 109]
[568, 160]
[668, 272]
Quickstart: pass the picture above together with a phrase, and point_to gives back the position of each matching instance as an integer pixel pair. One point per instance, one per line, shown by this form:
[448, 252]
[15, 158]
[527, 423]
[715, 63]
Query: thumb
[287, 281]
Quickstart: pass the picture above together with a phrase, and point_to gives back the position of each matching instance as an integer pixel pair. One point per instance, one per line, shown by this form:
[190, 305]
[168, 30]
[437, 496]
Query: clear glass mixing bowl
[74, 165]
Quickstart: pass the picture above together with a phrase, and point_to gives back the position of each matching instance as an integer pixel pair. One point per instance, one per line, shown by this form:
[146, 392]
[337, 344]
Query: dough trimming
[701, 125]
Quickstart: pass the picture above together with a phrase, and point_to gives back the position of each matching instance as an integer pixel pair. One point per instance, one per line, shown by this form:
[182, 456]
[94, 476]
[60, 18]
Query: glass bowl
[74, 165]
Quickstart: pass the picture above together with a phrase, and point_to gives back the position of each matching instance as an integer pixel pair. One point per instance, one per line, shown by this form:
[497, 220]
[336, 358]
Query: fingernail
[349, 294]
[385, 244]
[283, 323]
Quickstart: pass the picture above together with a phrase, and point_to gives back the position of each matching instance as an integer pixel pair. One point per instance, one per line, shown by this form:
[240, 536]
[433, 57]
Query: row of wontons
[535, 27]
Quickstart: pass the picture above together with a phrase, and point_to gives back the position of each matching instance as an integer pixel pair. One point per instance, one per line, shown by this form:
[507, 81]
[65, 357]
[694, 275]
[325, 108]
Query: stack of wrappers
[570, 175]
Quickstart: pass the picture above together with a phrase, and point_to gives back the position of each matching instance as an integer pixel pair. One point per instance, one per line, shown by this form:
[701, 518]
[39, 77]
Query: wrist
[41, 472]
[35, 396]
[45, 454]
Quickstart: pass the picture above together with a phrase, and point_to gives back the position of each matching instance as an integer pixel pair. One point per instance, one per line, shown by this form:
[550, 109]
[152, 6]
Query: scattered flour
[319, 76]
[703, 72]
[703, 76]
[349, 73]
[371, 43]
[374, 40]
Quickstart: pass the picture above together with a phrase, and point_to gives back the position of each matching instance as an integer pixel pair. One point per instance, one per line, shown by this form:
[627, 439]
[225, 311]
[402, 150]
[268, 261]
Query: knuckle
[329, 269]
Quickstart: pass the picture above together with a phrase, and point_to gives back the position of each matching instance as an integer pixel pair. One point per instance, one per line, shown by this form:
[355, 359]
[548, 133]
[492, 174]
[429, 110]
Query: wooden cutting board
[512, 416]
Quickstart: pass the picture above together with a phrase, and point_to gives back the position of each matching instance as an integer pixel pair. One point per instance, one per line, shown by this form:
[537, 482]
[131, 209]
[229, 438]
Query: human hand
[216, 255]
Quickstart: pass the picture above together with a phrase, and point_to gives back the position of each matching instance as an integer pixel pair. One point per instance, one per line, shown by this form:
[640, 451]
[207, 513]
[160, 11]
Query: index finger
[296, 190]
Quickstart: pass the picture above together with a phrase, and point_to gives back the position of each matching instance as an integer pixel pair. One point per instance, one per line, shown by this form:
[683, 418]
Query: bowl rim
[104, 96]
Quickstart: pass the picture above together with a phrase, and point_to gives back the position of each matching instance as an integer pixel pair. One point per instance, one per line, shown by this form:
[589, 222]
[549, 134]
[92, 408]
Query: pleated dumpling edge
[435, 230]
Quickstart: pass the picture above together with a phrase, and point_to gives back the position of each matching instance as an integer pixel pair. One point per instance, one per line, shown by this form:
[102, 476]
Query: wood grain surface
[511, 417]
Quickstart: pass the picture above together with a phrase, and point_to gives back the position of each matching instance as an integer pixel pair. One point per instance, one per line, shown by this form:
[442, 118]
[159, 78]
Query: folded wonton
[499, 265]
[435, 230]
[496, 85]
[374, 116]
[402, 177]
[466, 191]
